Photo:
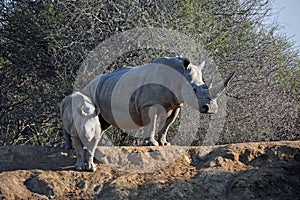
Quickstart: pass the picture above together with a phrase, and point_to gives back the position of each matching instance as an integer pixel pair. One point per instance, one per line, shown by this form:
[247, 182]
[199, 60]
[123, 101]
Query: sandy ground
[269, 170]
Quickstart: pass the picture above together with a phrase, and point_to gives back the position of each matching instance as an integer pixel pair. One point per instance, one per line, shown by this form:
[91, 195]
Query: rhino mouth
[204, 109]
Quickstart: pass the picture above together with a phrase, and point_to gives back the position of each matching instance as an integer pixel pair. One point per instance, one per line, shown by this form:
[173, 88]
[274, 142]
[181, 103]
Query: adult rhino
[134, 97]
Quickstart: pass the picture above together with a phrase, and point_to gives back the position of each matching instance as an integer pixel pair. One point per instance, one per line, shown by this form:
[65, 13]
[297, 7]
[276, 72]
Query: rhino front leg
[77, 144]
[150, 128]
[164, 127]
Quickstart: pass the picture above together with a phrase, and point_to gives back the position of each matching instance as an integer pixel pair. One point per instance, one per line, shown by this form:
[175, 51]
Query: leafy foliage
[43, 43]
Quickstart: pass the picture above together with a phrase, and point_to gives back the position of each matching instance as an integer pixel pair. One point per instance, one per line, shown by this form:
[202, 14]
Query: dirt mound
[250, 171]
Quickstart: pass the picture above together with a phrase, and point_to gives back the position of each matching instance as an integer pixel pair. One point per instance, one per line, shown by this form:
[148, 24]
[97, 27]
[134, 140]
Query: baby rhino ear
[185, 62]
[83, 110]
[80, 111]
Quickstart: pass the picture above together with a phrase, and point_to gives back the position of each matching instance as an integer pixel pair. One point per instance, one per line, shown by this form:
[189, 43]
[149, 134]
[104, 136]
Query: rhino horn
[216, 91]
[201, 66]
[209, 84]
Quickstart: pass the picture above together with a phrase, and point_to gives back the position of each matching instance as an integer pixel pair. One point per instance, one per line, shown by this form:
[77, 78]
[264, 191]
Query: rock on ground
[266, 170]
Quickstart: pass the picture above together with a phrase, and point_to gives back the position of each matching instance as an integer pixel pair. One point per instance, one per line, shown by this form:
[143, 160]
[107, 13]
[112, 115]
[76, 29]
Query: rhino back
[104, 92]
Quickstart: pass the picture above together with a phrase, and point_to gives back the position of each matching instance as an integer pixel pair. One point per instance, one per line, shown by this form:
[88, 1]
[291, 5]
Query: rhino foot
[154, 143]
[79, 167]
[165, 144]
[91, 167]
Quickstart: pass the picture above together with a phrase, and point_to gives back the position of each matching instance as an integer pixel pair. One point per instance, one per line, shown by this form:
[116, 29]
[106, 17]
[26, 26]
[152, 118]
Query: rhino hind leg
[67, 141]
[77, 144]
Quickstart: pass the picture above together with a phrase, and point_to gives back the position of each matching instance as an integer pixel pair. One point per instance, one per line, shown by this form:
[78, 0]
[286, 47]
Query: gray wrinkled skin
[151, 102]
[82, 128]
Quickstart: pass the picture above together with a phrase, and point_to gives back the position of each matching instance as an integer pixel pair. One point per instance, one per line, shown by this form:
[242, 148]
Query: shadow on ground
[251, 171]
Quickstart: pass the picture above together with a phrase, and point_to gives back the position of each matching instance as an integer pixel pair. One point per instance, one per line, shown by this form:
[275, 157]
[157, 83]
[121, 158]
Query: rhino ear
[82, 110]
[185, 62]
[215, 92]
[209, 84]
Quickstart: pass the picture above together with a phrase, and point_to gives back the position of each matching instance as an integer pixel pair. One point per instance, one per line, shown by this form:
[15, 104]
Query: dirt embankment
[239, 171]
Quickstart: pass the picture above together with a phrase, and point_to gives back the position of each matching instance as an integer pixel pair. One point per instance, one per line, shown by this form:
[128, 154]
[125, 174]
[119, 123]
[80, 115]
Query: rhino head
[206, 94]
[90, 126]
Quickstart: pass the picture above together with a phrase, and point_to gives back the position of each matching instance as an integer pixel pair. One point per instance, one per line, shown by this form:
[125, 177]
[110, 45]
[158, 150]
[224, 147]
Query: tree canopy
[43, 44]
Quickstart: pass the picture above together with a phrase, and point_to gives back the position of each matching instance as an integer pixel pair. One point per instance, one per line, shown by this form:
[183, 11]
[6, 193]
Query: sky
[287, 14]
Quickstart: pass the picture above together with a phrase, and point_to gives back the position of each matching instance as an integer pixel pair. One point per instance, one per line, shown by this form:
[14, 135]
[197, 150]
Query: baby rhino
[81, 123]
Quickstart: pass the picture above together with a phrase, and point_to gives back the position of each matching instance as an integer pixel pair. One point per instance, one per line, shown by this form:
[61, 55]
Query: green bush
[43, 44]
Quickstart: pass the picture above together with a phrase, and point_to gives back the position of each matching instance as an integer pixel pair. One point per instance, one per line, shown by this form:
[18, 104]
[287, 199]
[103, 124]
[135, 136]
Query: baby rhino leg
[68, 142]
[90, 151]
[77, 144]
